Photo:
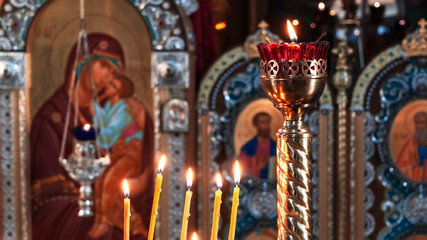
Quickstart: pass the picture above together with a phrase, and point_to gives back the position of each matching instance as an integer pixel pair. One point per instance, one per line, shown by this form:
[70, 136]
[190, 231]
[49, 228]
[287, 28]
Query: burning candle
[126, 227]
[157, 191]
[194, 236]
[292, 51]
[217, 207]
[235, 204]
[85, 133]
[294, 47]
[186, 213]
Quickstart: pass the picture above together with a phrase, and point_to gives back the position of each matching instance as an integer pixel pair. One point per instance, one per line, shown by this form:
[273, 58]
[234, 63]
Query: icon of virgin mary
[130, 133]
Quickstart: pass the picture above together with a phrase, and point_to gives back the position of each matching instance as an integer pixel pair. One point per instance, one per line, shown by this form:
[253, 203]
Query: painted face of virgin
[101, 74]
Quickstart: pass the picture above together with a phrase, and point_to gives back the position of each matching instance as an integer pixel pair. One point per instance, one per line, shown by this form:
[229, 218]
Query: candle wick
[321, 36]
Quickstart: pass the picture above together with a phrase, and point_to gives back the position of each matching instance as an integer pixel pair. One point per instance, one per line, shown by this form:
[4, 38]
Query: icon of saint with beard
[412, 160]
[257, 156]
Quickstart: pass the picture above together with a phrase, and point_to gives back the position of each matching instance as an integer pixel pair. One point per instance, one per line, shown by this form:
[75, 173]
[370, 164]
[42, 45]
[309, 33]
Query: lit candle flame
[125, 188]
[237, 173]
[86, 127]
[194, 236]
[377, 4]
[218, 181]
[321, 6]
[291, 31]
[162, 163]
[189, 178]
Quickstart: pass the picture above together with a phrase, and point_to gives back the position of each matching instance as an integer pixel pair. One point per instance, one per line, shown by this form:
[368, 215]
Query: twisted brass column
[294, 173]
[293, 86]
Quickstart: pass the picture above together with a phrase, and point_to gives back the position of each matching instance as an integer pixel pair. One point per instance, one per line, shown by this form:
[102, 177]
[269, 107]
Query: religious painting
[408, 140]
[254, 138]
[112, 93]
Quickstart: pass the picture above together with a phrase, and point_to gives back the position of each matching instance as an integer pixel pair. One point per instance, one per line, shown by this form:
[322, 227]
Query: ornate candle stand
[293, 77]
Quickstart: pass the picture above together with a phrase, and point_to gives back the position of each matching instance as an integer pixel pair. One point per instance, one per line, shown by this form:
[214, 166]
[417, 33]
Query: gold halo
[54, 31]
[245, 130]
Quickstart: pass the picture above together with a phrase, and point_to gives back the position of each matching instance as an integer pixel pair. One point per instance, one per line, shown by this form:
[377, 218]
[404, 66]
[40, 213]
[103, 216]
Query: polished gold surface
[293, 96]
[293, 93]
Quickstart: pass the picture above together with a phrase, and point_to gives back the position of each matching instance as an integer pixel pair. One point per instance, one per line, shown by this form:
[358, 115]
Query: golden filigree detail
[416, 44]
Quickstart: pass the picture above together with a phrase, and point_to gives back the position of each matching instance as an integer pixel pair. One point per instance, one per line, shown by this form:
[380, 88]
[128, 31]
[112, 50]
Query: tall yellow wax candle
[126, 214]
[235, 204]
[157, 191]
[217, 207]
[186, 213]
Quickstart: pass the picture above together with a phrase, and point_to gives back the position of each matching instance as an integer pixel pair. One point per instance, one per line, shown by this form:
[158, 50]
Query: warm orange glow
[237, 173]
[162, 163]
[291, 31]
[295, 22]
[189, 178]
[125, 188]
[332, 13]
[218, 181]
[86, 127]
[321, 6]
[194, 237]
[313, 25]
[220, 25]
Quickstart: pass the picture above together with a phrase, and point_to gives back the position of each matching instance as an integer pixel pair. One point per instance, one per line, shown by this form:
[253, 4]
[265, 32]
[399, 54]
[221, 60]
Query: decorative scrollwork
[416, 208]
[291, 69]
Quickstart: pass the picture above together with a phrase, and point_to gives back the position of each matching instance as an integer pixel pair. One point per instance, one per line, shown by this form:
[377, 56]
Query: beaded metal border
[15, 197]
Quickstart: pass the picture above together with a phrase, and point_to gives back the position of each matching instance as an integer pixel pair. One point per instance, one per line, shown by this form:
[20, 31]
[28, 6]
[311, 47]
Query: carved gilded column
[342, 81]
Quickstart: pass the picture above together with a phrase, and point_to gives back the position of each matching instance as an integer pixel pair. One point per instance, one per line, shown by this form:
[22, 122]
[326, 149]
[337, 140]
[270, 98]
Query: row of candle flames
[186, 214]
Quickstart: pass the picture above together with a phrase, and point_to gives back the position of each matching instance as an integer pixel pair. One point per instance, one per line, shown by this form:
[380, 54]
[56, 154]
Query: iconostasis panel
[392, 93]
[239, 123]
